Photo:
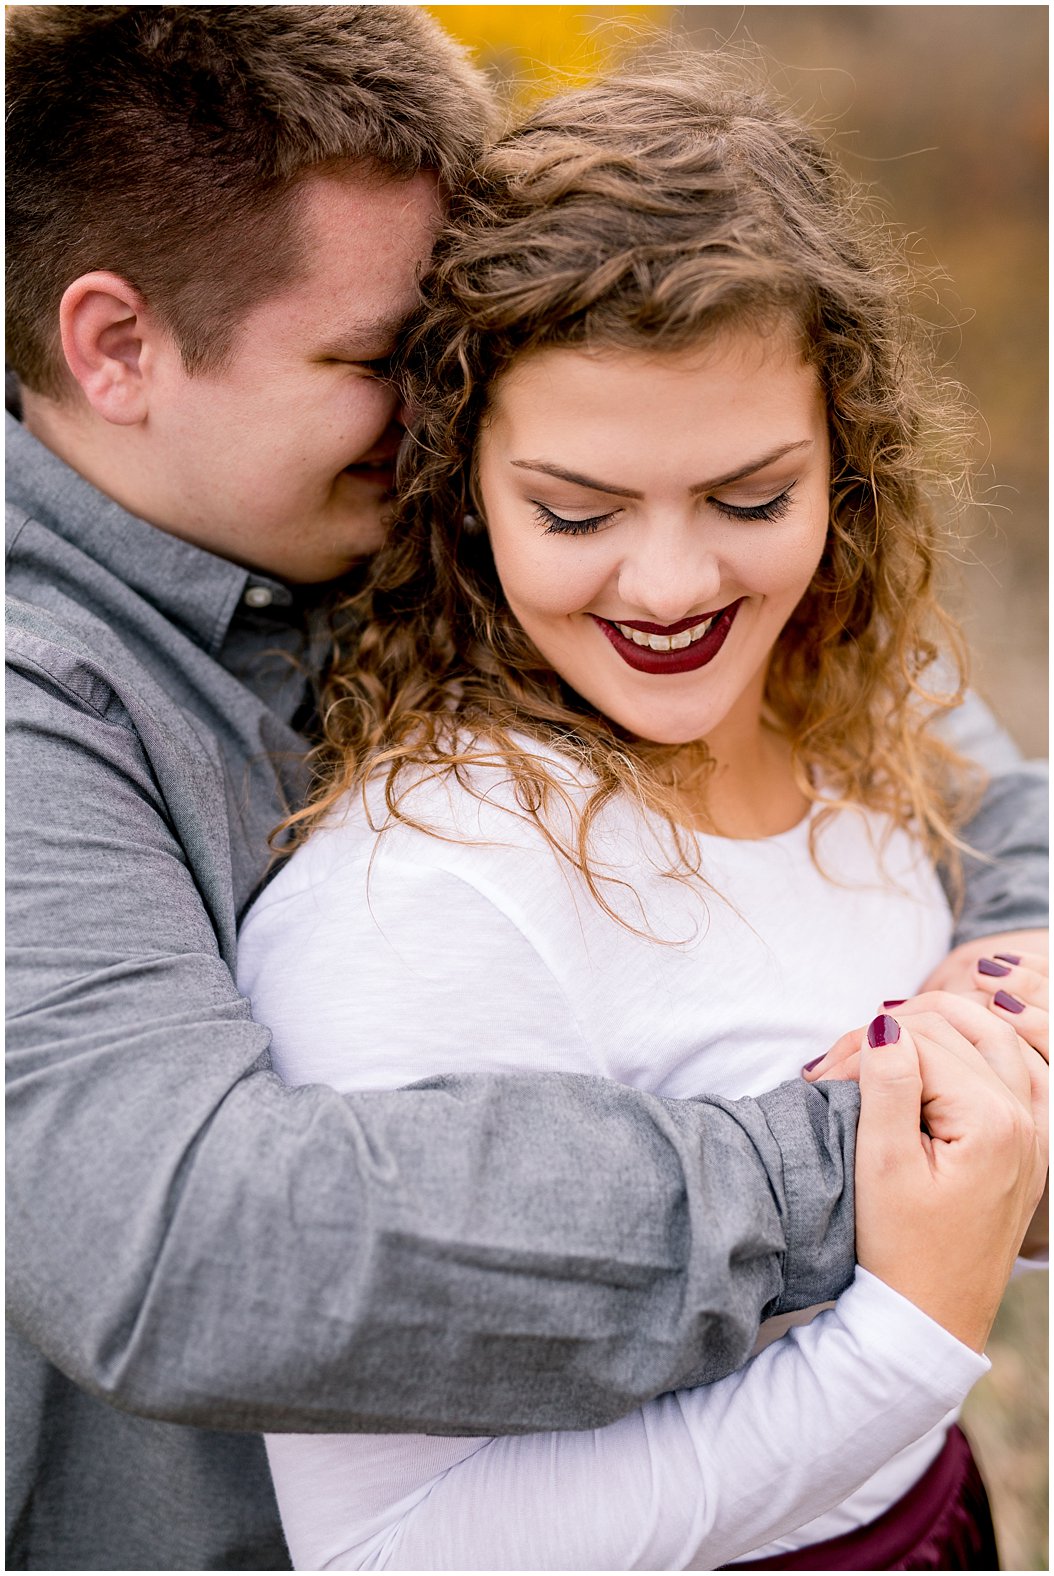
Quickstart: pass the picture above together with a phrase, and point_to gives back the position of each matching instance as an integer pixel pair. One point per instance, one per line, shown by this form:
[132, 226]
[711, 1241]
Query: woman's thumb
[890, 1096]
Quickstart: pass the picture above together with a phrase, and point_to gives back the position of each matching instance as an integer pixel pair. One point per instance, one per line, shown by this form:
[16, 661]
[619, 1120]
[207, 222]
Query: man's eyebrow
[699, 487]
[377, 335]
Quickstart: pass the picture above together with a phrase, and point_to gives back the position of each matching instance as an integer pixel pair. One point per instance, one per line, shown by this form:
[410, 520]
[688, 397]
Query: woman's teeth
[668, 642]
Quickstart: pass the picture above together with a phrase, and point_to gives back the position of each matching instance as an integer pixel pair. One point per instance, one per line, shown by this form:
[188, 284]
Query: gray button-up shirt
[196, 1252]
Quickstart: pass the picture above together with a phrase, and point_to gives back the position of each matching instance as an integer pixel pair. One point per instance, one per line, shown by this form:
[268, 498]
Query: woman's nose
[671, 575]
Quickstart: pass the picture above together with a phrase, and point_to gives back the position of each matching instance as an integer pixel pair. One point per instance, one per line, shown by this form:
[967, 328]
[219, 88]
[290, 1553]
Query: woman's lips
[686, 659]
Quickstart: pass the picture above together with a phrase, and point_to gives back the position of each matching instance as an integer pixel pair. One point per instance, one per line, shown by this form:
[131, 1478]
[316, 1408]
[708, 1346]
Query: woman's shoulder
[454, 814]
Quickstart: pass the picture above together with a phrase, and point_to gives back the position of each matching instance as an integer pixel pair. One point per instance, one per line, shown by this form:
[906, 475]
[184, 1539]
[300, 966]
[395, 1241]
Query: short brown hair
[165, 143]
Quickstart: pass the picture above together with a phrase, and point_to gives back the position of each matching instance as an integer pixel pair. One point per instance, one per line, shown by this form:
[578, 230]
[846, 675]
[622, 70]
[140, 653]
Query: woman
[631, 759]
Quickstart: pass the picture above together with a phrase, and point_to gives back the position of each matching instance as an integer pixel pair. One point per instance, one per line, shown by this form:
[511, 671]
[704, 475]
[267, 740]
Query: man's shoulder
[46, 655]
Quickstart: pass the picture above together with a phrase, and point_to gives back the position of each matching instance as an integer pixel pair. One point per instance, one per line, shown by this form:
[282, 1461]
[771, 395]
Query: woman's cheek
[548, 579]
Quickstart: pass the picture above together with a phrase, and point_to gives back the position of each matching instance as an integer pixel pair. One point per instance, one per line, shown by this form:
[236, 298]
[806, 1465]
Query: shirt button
[258, 596]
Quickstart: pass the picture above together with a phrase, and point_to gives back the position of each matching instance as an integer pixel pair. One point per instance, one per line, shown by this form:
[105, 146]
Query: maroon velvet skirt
[943, 1523]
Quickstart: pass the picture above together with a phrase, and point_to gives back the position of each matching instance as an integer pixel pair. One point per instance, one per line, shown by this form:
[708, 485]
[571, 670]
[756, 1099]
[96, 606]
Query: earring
[472, 525]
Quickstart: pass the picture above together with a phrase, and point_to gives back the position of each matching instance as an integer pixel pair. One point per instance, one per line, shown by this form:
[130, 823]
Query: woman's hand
[976, 1017]
[1016, 987]
[953, 1019]
[955, 972]
[941, 1209]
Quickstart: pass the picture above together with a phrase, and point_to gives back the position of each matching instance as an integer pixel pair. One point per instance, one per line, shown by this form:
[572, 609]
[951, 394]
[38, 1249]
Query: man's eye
[557, 525]
[378, 367]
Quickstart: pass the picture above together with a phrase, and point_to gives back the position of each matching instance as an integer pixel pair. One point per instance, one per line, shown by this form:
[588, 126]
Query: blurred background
[941, 110]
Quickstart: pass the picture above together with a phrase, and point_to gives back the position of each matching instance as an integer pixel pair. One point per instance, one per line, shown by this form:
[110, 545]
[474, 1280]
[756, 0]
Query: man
[217, 219]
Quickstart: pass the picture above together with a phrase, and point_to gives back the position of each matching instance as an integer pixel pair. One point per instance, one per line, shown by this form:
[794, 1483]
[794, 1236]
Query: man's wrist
[815, 1127]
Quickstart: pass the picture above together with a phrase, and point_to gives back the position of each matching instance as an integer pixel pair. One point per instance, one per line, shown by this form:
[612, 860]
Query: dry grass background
[943, 110]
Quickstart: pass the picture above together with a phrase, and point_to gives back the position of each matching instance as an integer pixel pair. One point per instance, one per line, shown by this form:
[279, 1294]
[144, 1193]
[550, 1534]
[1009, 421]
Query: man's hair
[166, 144]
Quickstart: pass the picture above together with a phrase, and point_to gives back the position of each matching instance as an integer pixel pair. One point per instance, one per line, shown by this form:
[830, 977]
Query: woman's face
[656, 518]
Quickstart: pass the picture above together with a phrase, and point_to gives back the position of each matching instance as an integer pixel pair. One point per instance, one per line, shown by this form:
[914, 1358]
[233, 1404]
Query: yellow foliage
[539, 48]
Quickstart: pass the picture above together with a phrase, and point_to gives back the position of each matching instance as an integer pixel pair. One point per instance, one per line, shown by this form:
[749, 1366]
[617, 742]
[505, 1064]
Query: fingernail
[883, 1030]
[1007, 957]
[1010, 1003]
[898, 1003]
[986, 966]
[814, 1063]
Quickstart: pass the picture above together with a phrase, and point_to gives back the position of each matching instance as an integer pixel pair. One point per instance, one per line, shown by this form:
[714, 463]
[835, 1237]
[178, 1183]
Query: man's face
[283, 461]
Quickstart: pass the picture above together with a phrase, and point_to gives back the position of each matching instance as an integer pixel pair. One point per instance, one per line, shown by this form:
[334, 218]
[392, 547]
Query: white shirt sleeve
[691, 1480]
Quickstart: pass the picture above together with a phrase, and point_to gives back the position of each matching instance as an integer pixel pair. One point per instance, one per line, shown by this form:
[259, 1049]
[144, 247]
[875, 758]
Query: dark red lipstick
[686, 660]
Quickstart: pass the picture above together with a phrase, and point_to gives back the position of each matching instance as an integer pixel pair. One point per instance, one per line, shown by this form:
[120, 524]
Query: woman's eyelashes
[772, 509]
[559, 525]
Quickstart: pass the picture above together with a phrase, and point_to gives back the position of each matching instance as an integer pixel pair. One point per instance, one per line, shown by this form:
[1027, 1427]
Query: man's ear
[107, 338]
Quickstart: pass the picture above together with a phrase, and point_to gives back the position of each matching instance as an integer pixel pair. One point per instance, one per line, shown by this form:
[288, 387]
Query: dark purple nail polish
[883, 1030]
[996, 970]
[1007, 957]
[1010, 1003]
[814, 1063]
[898, 1003]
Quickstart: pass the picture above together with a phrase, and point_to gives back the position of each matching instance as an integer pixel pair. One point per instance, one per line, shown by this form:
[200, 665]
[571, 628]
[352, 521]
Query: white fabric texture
[378, 961]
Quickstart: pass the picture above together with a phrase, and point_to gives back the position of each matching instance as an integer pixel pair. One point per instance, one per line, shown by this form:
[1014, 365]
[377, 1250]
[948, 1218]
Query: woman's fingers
[956, 971]
[940, 1215]
[1016, 987]
[827, 1066]
[949, 1063]
[957, 1023]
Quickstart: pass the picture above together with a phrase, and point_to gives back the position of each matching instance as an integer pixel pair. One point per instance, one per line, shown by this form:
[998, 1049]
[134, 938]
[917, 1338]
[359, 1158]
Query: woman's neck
[745, 789]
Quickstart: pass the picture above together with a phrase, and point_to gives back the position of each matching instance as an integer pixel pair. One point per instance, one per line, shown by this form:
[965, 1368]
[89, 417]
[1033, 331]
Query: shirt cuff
[898, 1332]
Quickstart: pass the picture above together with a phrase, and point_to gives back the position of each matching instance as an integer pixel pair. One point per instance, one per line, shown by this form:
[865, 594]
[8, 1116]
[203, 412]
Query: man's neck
[65, 428]
[110, 457]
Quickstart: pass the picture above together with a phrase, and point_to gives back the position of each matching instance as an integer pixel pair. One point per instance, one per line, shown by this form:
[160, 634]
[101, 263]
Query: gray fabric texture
[196, 1251]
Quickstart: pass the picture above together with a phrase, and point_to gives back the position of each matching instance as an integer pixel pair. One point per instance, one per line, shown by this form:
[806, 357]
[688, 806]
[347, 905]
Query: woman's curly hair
[650, 211]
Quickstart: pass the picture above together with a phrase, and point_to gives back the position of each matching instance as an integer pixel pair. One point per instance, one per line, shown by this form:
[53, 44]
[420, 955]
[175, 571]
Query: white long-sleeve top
[377, 961]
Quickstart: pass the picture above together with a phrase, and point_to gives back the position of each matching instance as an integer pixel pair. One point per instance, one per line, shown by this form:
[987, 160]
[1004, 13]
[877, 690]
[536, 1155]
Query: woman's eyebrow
[699, 487]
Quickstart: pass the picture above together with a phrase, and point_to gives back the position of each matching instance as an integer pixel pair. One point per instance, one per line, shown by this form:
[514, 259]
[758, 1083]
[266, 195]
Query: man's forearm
[1005, 877]
[1006, 872]
[480, 1255]
[190, 1239]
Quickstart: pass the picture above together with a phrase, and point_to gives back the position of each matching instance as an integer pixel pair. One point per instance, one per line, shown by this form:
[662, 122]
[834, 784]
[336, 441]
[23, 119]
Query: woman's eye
[556, 525]
[774, 509]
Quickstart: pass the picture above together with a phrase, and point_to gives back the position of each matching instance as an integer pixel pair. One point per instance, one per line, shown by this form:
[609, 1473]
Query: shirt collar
[194, 588]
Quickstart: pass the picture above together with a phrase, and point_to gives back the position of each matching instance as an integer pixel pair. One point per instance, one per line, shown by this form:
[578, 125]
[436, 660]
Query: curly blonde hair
[651, 211]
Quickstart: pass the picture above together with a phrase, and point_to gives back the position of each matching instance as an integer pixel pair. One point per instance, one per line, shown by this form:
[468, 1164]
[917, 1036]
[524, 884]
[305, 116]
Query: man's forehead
[365, 244]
